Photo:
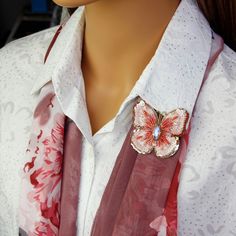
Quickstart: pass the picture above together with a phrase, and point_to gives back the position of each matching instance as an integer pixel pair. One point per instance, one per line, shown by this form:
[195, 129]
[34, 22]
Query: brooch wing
[145, 119]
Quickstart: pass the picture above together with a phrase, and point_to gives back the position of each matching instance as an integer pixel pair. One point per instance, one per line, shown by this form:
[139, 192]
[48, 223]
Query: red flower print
[45, 174]
[43, 229]
[42, 111]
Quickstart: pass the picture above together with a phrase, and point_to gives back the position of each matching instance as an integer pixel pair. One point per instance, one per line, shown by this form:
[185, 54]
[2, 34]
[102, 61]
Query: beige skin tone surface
[120, 38]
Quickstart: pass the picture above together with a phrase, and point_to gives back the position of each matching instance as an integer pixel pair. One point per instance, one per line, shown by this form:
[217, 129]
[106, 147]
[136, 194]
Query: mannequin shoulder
[222, 77]
[20, 63]
[30, 46]
[24, 56]
[225, 65]
[218, 95]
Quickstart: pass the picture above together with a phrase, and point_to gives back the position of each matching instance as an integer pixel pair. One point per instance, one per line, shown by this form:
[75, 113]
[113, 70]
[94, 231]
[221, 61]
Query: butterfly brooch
[156, 131]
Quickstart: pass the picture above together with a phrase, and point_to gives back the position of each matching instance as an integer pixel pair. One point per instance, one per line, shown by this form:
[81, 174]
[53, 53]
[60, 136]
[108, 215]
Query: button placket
[91, 169]
[87, 175]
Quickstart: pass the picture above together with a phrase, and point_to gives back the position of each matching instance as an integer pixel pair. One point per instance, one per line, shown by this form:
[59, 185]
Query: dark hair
[221, 15]
[71, 10]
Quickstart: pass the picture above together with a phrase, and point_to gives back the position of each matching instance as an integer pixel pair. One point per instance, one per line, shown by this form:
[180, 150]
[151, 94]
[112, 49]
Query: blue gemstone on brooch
[156, 132]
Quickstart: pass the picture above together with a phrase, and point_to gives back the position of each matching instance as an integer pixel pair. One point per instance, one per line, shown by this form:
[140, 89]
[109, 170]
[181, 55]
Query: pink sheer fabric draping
[140, 197]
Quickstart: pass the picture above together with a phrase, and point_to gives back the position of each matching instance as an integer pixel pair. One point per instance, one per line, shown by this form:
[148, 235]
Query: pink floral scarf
[40, 202]
[140, 198]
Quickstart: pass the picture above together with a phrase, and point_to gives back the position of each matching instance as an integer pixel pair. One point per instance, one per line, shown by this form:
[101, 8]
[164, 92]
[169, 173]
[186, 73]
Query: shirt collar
[69, 39]
[175, 73]
[172, 78]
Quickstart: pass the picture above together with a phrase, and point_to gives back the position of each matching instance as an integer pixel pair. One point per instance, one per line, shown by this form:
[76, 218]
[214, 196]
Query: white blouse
[206, 198]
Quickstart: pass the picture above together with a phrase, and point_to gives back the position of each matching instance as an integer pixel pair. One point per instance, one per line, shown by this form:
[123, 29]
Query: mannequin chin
[73, 3]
